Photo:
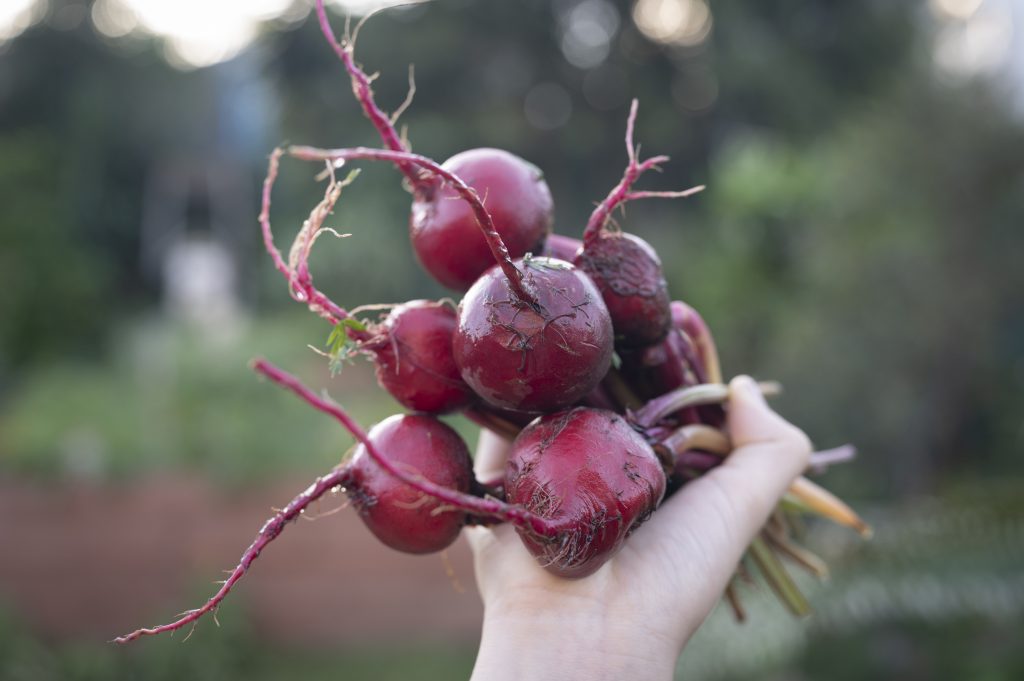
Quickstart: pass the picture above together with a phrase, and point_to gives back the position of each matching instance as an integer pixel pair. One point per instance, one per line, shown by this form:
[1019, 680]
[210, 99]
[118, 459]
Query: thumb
[752, 422]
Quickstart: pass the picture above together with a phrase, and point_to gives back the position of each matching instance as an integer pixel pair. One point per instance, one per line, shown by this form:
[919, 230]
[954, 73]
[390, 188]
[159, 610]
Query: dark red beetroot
[656, 369]
[592, 476]
[533, 356]
[413, 354]
[444, 230]
[628, 274]
[625, 268]
[402, 517]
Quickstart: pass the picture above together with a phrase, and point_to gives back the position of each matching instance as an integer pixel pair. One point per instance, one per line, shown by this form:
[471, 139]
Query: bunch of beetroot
[610, 392]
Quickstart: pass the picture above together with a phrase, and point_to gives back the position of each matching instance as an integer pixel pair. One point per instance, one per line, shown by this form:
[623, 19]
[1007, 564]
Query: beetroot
[659, 368]
[628, 274]
[625, 267]
[444, 231]
[413, 354]
[397, 514]
[533, 356]
[593, 476]
[534, 335]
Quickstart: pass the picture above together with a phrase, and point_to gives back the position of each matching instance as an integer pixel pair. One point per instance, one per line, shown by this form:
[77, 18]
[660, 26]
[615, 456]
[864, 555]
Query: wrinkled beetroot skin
[398, 515]
[414, 359]
[589, 469]
[533, 358]
[561, 247]
[628, 273]
[445, 234]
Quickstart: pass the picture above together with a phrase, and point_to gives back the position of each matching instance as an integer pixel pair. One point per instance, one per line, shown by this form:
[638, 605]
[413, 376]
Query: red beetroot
[400, 516]
[413, 354]
[628, 274]
[656, 369]
[625, 268]
[593, 476]
[444, 230]
[533, 356]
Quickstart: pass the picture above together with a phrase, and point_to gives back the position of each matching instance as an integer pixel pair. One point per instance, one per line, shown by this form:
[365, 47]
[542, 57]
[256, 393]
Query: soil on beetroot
[88, 562]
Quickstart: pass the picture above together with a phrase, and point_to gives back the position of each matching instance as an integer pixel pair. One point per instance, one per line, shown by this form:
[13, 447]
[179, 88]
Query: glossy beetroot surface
[533, 357]
[589, 471]
[400, 516]
[445, 234]
[628, 273]
[413, 354]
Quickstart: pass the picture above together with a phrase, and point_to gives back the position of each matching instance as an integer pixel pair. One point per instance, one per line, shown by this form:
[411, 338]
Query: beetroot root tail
[270, 530]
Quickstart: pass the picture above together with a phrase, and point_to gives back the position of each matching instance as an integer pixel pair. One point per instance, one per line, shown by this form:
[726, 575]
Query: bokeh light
[18, 15]
[587, 31]
[976, 39]
[673, 22]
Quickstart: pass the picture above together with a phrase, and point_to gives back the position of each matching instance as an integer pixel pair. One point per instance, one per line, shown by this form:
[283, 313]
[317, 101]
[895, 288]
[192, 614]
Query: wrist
[591, 643]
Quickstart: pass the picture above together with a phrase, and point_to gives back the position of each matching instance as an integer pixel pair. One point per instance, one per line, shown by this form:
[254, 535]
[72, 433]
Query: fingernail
[746, 386]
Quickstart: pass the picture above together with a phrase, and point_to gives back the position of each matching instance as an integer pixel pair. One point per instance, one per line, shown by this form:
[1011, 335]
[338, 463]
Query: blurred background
[860, 240]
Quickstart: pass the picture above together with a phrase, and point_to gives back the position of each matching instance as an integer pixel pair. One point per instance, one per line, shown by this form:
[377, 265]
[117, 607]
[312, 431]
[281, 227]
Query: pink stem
[688, 396]
[820, 461]
[364, 94]
[270, 530]
[621, 193]
[300, 281]
[467, 193]
[517, 515]
[693, 325]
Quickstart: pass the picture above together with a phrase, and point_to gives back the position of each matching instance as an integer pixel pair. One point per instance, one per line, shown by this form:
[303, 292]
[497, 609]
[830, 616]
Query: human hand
[632, 617]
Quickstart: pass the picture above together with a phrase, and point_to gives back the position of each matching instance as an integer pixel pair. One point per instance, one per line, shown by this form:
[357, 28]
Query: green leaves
[340, 347]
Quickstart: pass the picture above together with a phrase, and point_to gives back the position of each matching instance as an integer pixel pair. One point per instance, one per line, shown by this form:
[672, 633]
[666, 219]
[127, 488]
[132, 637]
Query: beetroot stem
[706, 393]
[698, 436]
[273, 527]
[774, 572]
[694, 326]
[467, 193]
[733, 598]
[622, 193]
[364, 95]
[484, 507]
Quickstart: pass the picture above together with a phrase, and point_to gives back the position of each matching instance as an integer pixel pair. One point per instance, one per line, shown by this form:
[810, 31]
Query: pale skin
[632, 618]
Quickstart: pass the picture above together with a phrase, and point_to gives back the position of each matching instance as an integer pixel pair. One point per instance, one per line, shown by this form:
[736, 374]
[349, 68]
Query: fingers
[491, 455]
[718, 514]
[768, 451]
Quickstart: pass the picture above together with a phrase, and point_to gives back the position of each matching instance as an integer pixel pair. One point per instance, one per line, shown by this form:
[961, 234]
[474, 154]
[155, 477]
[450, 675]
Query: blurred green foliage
[172, 399]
